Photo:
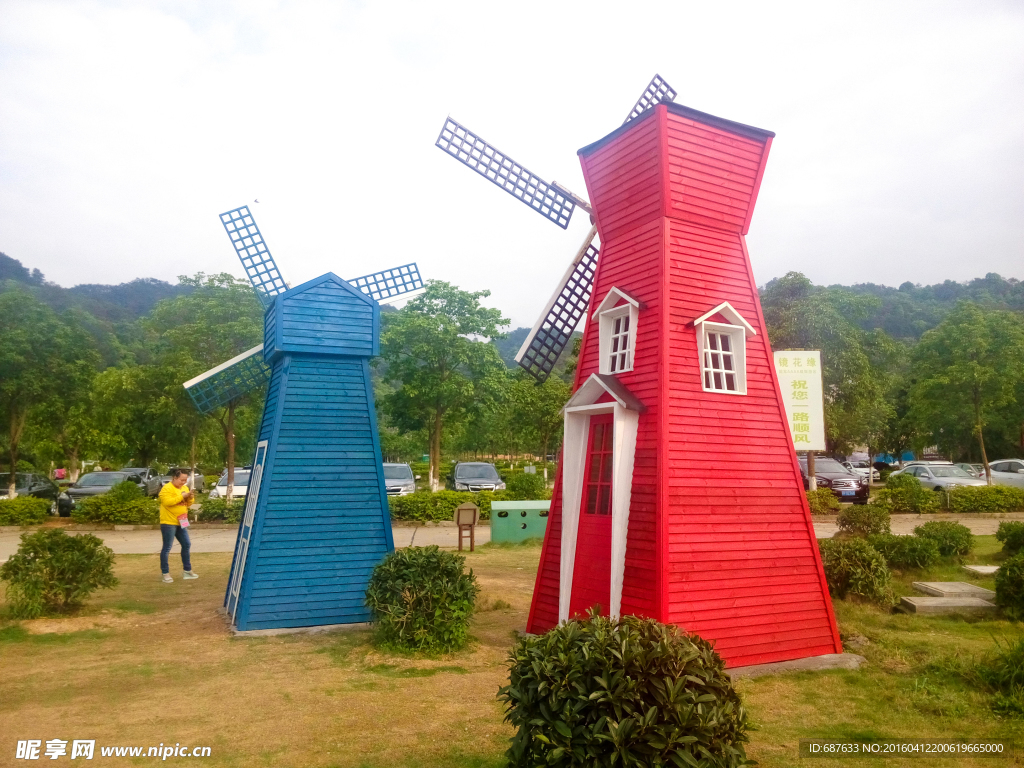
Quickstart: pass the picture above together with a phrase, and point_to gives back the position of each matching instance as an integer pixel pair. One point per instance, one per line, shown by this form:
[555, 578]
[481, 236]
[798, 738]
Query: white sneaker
[167, 578]
[190, 575]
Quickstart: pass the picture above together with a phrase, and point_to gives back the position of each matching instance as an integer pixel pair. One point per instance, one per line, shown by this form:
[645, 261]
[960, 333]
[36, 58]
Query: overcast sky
[126, 127]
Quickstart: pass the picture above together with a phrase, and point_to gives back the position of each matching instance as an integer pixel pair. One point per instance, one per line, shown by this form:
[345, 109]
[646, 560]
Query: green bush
[854, 567]
[822, 502]
[631, 692]
[904, 495]
[1010, 587]
[905, 552]
[951, 538]
[986, 498]
[55, 572]
[124, 504]
[1011, 534]
[24, 510]
[864, 519]
[521, 486]
[1002, 672]
[217, 510]
[422, 599]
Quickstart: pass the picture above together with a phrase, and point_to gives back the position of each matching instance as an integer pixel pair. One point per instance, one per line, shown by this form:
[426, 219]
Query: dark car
[830, 474]
[35, 485]
[197, 484]
[475, 476]
[151, 484]
[95, 483]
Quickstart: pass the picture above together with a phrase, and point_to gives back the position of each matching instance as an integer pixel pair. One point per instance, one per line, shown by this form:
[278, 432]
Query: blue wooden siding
[322, 519]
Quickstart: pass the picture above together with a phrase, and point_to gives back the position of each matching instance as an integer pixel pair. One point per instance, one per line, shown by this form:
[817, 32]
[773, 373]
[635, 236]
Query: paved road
[148, 542]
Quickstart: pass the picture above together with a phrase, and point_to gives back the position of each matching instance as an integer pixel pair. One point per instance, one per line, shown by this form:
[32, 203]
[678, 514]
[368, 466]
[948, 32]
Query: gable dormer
[617, 316]
[722, 348]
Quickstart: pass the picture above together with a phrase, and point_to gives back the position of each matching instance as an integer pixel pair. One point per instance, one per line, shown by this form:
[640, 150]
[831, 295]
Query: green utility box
[515, 521]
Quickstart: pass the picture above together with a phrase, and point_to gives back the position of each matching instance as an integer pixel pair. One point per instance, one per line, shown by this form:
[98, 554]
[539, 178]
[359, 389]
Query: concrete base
[982, 570]
[299, 630]
[811, 664]
[935, 605]
[953, 589]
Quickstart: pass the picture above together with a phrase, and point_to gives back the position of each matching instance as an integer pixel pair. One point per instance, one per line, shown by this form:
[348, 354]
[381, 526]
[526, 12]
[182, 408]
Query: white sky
[126, 127]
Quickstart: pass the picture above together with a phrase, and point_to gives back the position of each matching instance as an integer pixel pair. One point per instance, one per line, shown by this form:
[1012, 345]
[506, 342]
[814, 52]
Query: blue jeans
[170, 533]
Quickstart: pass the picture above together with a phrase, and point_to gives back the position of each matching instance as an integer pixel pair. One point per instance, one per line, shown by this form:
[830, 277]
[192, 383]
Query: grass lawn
[147, 663]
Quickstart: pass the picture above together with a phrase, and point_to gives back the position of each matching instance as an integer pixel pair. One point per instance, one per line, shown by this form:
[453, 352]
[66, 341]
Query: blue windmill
[316, 514]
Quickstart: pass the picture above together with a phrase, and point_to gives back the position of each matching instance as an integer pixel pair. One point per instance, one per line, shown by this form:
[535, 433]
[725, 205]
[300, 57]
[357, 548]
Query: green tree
[968, 370]
[219, 319]
[42, 359]
[432, 351]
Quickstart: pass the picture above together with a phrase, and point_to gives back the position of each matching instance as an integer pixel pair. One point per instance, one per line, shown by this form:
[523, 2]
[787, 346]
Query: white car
[939, 475]
[861, 468]
[1008, 472]
[240, 487]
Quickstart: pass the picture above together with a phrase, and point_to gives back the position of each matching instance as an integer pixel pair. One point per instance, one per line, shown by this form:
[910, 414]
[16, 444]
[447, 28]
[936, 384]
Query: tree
[42, 359]
[220, 318]
[967, 370]
[432, 353]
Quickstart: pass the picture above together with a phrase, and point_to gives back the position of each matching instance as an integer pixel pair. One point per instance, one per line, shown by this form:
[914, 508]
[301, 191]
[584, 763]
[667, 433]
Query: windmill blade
[229, 380]
[655, 93]
[563, 312]
[386, 285]
[256, 259]
[495, 166]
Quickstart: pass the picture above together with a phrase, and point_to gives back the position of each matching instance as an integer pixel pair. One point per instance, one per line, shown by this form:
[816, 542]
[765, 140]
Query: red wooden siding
[720, 539]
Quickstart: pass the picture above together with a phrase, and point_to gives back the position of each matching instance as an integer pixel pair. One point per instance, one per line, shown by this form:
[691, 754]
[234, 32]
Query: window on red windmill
[617, 318]
[722, 339]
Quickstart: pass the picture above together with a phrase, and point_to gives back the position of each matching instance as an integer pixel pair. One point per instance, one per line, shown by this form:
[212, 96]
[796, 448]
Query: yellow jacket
[172, 504]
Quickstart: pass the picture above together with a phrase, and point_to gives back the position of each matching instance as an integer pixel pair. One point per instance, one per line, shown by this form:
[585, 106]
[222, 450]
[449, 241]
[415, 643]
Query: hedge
[905, 552]
[903, 494]
[985, 498]
[822, 502]
[217, 510]
[855, 567]
[437, 507]
[951, 538]
[864, 519]
[24, 510]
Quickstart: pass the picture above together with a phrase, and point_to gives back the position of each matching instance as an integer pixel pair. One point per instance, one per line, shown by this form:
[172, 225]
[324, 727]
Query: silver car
[399, 480]
[940, 476]
[1008, 472]
[238, 490]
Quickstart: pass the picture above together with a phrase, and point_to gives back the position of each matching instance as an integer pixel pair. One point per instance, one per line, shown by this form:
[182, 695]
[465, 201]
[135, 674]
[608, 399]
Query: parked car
[96, 483]
[241, 485]
[829, 473]
[196, 483]
[939, 476]
[971, 469]
[861, 468]
[399, 479]
[151, 484]
[1008, 472]
[475, 476]
[37, 486]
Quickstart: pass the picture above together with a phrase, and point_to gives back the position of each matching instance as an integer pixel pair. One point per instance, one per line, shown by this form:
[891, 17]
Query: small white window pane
[725, 343]
[713, 340]
[718, 380]
[615, 343]
[625, 323]
[727, 360]
[618, 325]
[730, 381]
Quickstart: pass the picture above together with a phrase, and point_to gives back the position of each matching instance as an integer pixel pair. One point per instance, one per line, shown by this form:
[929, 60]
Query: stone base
[982, 570]
[953, 589]
[299, 630]
[810, 664]
[936, 605]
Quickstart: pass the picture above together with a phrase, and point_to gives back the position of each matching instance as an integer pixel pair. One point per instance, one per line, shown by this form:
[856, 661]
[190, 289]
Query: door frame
[574, 456]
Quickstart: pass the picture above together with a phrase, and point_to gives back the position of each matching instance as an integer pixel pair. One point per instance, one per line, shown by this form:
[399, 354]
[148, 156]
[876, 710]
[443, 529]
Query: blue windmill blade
[252, 250]
[229, 380]
[382, 286]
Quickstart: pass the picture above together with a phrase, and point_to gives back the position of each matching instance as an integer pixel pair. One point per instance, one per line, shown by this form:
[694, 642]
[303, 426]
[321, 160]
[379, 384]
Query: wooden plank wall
[322, 511]
[326, 318]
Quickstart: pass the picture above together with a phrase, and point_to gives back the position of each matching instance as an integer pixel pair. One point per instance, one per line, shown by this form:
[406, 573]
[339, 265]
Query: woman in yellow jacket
[175, 498]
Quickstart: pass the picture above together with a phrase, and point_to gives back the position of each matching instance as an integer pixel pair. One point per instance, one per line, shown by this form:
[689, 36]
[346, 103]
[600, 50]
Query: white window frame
[737, 328]
[608, 311]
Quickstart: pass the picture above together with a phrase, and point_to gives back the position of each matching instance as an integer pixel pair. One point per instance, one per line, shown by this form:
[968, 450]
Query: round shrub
[55, 572]
[521, 486]
[218, 510]
[631, 692]
[1011, 534]
[422, 599]
[902, 481]
[1010, 587]
[24, 510]
[905, 552]
[864, 519]
[904, 495]
[822, 502]
[951, 538]
[854, 567]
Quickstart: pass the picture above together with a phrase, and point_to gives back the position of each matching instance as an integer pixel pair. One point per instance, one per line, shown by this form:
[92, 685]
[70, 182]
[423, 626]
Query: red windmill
[679, 496]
